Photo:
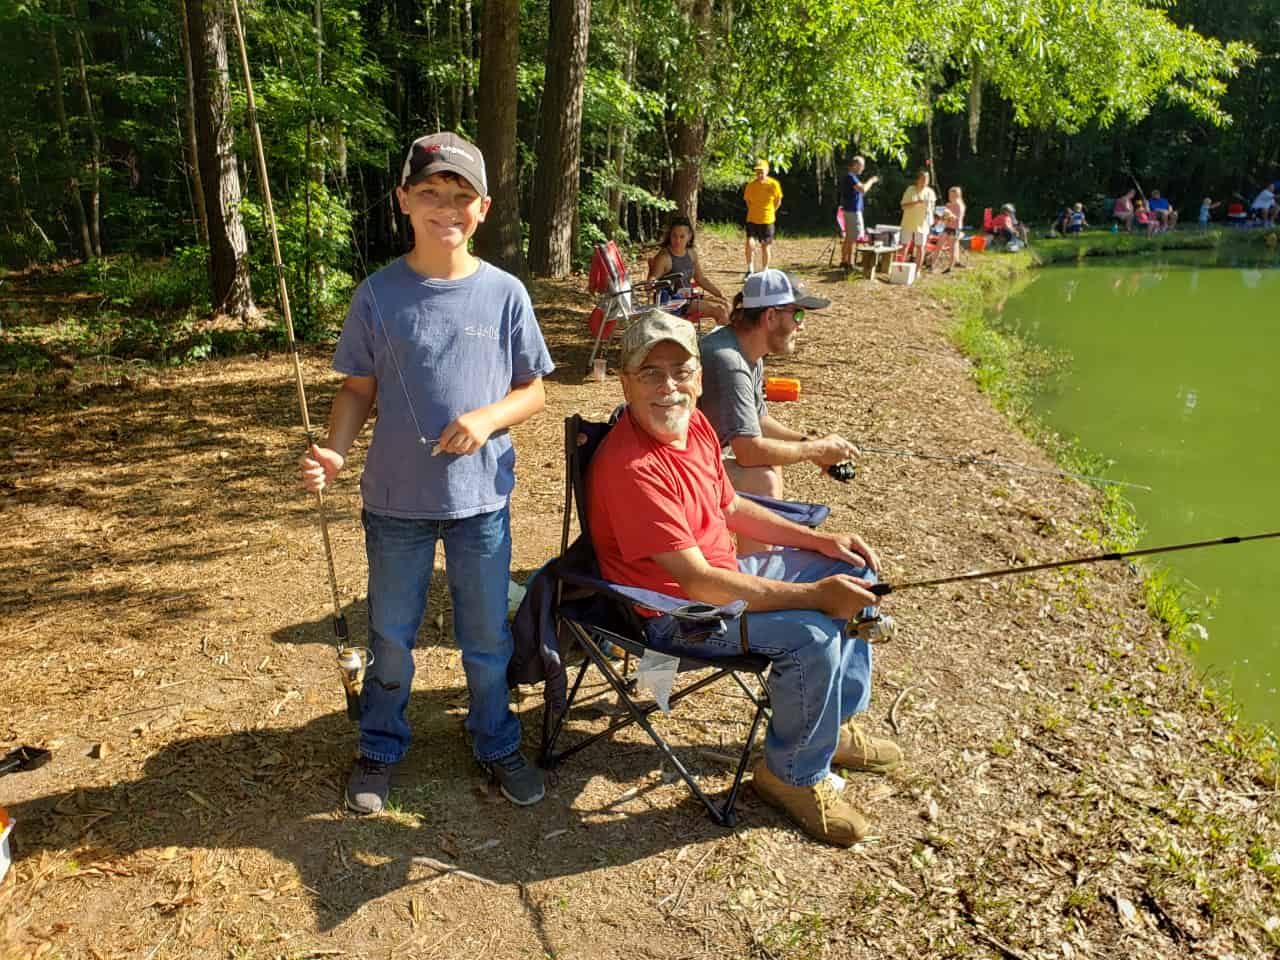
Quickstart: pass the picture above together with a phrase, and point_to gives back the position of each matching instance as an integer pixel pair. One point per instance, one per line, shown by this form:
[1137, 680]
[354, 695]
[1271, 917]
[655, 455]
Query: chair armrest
[808, 514]
[689, 611]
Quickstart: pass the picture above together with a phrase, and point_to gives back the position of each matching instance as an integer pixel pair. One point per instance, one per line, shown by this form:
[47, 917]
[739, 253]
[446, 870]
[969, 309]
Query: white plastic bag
[656, 673]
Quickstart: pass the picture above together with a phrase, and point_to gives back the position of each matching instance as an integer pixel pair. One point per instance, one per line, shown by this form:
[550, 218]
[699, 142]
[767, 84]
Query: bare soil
[1071, 788]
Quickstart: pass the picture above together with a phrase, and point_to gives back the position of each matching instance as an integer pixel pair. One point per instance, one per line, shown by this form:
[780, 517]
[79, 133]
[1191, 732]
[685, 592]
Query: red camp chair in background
[988, 221]
[608, 280]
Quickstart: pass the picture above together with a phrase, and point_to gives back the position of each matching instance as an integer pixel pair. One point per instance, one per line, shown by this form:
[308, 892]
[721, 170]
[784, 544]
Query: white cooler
[903, 272]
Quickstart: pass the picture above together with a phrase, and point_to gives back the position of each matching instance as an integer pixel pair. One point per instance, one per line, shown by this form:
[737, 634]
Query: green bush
[134, 283]
[329, 251]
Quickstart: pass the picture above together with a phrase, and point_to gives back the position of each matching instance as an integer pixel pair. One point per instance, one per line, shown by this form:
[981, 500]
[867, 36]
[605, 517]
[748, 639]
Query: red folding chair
[608, 279]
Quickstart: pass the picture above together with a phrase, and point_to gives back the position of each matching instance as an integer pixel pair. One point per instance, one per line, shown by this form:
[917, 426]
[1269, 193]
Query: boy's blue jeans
[818, 677]
[478, 562]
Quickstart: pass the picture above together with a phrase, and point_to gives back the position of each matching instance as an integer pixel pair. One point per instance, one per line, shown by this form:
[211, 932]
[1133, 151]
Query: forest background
[125, 135]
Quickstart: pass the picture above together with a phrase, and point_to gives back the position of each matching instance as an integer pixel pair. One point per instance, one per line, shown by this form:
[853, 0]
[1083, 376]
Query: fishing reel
[844, 471]
[877, 629]
[352, 664]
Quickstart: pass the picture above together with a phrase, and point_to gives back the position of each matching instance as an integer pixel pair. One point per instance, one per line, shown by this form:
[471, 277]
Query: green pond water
[1173, 376]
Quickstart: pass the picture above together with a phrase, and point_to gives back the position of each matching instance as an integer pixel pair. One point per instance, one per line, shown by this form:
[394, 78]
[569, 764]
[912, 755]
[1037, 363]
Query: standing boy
[853, 192]
[764, 196]
[449, 348]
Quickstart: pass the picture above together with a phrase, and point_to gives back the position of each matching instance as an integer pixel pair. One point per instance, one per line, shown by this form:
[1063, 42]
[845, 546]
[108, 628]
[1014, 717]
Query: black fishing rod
[1004, 464]
[352, 660]
[881, 589]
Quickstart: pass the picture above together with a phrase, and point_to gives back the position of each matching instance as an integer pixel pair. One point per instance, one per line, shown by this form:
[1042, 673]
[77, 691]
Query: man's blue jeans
[818, 677]
[477, 554]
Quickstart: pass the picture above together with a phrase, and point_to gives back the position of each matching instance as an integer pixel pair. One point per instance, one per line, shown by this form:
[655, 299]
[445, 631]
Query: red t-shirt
[646, 498]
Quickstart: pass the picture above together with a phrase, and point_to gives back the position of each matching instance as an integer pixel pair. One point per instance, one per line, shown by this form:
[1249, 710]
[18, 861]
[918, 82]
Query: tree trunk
[193, 156]
[555, 194]
[469, 65]
[619, 138]
[64, 141]
[499, 239]
[228, 245]
[691, 129]
[95, 148]
[315, 163]
[975, 102]
[691, 137]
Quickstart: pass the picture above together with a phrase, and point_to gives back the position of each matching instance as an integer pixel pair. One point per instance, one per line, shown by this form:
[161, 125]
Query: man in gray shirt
[754, 444]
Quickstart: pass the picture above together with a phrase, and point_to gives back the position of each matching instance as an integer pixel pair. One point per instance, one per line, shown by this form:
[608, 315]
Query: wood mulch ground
[1071, 791]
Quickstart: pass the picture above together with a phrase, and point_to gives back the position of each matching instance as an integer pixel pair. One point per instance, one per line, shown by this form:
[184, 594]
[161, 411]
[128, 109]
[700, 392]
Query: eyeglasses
[657, 376]
[797, 316]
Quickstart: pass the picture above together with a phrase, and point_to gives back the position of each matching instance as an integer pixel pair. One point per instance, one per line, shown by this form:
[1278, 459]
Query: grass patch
[1103, 244]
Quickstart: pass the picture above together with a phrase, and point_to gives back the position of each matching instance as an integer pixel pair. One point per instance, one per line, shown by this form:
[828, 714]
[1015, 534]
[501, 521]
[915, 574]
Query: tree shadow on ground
[280, 791]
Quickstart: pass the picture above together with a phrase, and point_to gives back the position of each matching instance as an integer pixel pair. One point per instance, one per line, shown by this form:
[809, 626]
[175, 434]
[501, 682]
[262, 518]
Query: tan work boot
[818, 810]
[858, 750]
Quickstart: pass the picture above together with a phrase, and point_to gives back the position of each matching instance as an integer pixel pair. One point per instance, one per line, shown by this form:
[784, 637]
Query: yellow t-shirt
[763, 197]
[918, 218]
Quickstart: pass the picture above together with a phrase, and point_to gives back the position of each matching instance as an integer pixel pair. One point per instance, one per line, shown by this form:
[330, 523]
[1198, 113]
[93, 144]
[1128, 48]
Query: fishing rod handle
[882, 589]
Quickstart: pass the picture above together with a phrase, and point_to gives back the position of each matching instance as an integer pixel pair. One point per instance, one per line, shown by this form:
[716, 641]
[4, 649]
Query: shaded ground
[1071, 791]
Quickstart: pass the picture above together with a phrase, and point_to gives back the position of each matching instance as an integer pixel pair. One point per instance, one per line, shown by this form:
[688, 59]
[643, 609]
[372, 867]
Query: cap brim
[812, 303]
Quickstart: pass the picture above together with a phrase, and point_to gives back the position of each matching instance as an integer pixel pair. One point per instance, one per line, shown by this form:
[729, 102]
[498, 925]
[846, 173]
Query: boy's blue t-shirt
[851, 197]
[438, 349]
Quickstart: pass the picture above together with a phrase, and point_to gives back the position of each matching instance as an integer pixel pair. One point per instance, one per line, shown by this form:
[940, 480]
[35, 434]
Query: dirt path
[1070, 791]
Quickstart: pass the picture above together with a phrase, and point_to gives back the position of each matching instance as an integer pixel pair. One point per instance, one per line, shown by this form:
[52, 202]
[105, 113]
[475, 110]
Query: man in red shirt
[663, 514]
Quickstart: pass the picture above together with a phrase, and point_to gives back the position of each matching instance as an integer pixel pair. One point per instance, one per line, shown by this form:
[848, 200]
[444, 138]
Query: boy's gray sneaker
[368, 786]
[519, 780]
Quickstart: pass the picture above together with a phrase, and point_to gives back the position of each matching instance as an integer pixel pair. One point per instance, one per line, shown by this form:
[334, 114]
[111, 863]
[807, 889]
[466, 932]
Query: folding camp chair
[608, 279]
[592, 613]
[837, 240]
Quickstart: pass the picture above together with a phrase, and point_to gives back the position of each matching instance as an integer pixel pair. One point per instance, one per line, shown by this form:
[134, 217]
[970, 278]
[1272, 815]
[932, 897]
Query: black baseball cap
[445, 153]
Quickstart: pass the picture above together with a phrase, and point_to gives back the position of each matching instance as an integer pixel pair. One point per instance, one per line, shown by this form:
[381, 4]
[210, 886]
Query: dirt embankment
[1070, 790]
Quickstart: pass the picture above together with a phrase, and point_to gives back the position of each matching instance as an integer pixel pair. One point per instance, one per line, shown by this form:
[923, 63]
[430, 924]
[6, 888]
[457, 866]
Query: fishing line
[352, 661]
[881, 589]
[361, 263]
[1005, 464]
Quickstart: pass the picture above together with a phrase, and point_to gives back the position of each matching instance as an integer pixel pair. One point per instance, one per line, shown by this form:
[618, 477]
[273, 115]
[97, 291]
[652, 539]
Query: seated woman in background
[676, 255]
[1122, 211]
[1006, 225]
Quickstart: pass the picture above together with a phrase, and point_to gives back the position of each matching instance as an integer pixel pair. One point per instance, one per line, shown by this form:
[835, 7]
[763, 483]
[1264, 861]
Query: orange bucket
[781, 389]
[977, 243]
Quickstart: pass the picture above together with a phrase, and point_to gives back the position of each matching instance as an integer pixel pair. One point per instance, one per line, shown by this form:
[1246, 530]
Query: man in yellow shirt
[918, 201]
[764, 196]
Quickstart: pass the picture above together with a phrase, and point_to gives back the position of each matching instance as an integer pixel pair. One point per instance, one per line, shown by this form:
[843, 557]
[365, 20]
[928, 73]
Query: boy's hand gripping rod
[881, 589]
[352, 661]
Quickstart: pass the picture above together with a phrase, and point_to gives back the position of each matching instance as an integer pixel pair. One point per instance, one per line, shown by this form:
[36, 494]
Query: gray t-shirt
[438, 349]
[732, 389]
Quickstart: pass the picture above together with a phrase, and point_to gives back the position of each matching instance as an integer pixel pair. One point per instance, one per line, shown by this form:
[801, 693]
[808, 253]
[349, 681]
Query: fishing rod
[1005, 464]
[352, 660]
[881, 589]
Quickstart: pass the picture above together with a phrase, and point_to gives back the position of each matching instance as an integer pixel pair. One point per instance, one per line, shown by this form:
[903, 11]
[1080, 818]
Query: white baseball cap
[773, 288]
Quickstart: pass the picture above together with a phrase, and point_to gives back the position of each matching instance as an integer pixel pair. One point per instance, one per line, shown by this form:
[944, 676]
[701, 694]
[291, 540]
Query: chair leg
[548, 758]
[723, 813]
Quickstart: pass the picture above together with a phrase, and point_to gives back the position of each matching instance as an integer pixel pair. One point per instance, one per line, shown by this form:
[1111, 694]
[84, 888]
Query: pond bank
[1071, 787]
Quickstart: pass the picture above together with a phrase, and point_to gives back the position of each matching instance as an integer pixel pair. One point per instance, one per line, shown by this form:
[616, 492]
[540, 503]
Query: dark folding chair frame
[590, 636]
